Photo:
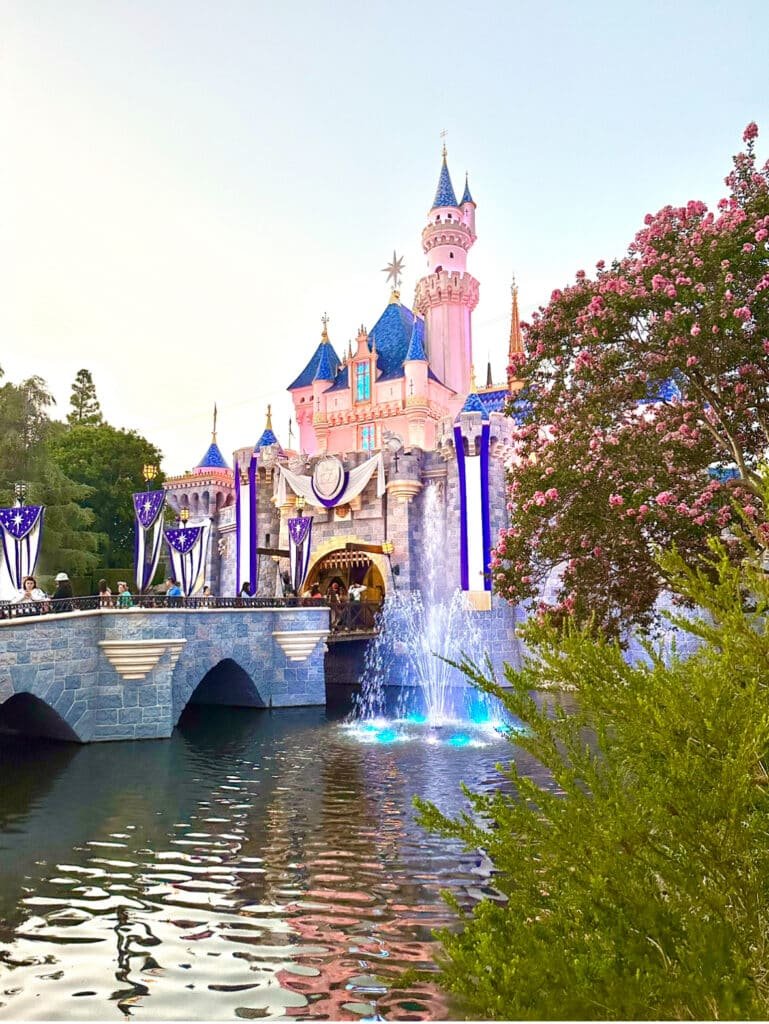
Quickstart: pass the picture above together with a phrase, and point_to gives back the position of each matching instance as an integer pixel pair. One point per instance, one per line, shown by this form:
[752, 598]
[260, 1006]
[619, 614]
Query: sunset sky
[186, 187]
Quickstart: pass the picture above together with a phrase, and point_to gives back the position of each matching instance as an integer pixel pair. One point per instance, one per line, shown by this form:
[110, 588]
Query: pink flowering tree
[644, 381]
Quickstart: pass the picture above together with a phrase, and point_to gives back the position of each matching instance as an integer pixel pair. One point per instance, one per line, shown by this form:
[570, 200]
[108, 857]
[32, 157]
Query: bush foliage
[637, 880]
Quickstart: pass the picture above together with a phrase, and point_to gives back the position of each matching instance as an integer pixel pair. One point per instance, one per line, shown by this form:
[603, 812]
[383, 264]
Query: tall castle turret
[447, 295]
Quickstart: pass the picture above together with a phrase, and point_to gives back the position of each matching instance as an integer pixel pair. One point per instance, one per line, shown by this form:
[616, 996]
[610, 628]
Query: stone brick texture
[57, 659]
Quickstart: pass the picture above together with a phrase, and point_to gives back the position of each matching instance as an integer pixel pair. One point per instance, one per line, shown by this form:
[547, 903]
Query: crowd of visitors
[348, 610]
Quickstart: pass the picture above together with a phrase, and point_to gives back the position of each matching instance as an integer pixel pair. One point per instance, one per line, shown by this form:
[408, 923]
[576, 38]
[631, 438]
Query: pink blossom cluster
[624, 469]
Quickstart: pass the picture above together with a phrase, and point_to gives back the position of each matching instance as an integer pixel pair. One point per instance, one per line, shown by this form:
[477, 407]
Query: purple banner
[485, 510]
[183, 539]
[299, 547]
[299, 527]
[21, 532]
[18, 521]
[253, 566]
[148, 506]
[459, 448]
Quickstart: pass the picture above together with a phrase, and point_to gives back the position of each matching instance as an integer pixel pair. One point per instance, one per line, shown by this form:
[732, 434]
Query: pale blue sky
[185, 187]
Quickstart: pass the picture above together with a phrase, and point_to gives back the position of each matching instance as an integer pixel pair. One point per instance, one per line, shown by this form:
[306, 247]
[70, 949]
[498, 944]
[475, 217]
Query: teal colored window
[362, 382]
[367, 438]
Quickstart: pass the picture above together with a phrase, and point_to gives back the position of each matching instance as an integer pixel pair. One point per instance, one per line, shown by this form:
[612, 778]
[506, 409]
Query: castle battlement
[446, 286]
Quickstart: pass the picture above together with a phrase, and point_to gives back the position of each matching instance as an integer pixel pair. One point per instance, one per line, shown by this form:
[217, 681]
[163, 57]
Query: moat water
[256, 865]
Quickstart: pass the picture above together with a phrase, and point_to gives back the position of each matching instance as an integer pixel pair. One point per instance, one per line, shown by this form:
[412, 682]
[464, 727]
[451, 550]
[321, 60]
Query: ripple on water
[262, 866]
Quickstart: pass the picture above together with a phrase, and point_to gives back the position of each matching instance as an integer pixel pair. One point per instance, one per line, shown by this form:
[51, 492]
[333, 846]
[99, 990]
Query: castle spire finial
[324, 320]
[268, 424]
[394, 271]
[213, 432]
[473, 382]
[444, 133]
[516, 338]
[444, 194]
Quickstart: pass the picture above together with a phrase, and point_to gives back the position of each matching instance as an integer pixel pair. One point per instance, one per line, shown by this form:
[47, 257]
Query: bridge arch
[228, 683]
[28, 715]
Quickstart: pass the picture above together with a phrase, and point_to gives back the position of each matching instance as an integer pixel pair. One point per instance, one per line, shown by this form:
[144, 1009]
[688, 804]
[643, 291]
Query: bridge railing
[25, 609]
[356, 617]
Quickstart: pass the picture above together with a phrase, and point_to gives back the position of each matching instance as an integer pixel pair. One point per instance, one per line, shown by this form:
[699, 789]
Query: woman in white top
[30, 591]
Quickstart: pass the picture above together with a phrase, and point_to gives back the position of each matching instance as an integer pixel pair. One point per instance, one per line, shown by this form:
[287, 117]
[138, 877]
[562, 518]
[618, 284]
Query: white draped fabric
[357, 479]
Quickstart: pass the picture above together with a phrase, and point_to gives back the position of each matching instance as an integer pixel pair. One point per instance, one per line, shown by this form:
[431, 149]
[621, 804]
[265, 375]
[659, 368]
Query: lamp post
[149, 472]
[300, 502]
[20, 492]
[387, 548]
[184, 516]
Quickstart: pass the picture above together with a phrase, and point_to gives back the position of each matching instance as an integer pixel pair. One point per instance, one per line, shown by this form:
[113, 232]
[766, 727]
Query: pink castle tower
[447, 295]
[413, 368]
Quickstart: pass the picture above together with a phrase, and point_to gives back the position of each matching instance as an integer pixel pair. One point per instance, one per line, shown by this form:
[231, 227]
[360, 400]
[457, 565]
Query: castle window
[367, 437]
[451, 255]
[362, 382]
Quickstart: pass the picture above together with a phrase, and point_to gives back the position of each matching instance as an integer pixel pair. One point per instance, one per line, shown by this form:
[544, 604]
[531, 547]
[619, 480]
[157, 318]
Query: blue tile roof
[495, 401]
[342, 381]
[213, 459]
[267, 438]
[667, 391]
[722, 473]
[521, 411]
[307, 376]
[466, 197]
[473, 403]
[392, 334]
[444, 194]
[416, 348]
[327, 363]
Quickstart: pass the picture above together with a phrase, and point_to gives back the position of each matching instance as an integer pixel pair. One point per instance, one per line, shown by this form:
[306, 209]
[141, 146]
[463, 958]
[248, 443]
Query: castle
[406, 389]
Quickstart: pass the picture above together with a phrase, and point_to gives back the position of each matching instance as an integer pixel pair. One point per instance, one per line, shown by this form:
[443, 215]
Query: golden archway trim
[337, 543]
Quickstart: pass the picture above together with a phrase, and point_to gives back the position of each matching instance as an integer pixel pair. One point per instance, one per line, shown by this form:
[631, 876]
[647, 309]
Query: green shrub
[637, 880]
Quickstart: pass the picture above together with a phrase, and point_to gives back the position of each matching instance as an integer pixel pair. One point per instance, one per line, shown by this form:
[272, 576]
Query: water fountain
[409, 687]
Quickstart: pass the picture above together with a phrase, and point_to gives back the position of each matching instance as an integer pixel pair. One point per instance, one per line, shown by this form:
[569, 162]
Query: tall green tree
[85, 408]
[109, 462]
[633, 861]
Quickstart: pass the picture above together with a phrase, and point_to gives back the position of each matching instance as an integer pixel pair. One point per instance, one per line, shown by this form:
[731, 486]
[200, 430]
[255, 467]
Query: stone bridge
[129, 674]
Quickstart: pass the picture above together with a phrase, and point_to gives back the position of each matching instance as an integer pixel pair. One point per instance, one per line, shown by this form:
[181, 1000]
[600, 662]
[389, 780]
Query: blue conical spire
[326, 369]
[416, 345]
[213, 459]
[268, 436]
[444, 194]
[466, 197]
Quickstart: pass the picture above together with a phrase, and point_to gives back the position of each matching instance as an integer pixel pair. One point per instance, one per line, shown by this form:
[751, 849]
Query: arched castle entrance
[331, 561]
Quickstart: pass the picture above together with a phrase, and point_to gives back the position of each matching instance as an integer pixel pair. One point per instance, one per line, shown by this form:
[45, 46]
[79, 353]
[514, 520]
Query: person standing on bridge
[62, 596]
[125, 598]
[105, 595]
[30, 592]
[335, 601]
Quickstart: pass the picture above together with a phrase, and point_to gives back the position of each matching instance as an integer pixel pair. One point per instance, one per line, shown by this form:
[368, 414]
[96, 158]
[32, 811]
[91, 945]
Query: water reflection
[256, 864]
